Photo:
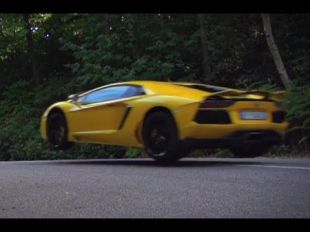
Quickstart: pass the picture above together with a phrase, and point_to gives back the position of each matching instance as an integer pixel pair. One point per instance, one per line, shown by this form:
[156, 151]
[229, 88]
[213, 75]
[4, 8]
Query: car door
[100, 113]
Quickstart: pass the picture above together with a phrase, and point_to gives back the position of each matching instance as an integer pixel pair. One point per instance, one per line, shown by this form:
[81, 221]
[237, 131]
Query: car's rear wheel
[160, 137]
[57, 132]
[249, 150]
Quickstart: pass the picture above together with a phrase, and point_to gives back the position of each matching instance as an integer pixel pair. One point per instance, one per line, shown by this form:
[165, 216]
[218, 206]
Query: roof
[166, 88]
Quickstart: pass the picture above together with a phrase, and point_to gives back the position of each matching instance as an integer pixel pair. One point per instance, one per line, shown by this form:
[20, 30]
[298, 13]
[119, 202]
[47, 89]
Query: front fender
[64, 106]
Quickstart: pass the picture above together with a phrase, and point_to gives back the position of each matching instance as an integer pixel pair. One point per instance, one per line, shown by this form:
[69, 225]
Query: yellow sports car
[168, 119]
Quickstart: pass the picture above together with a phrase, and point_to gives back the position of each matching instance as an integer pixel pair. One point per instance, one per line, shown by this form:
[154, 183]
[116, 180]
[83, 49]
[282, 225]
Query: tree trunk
[275, 51]
[2, 28]
[106, 24]
[131, 34]
[204, 43]
[31, 53]
[161, 21]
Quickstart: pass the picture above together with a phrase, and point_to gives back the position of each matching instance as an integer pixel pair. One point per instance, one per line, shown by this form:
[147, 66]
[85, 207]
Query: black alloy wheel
[57, 132]
[160, 137]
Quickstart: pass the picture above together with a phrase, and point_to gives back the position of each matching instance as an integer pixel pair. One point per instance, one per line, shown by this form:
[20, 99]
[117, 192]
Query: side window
[134, 91]
[105, 94]
[111, 93]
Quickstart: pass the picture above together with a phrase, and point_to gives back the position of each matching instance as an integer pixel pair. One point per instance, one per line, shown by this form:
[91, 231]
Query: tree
[31, 52]
[204, 44]
[275, 51]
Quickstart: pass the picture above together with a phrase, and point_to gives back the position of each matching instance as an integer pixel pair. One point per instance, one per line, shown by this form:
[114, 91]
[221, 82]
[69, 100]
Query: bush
[133, 153]
[298, 104]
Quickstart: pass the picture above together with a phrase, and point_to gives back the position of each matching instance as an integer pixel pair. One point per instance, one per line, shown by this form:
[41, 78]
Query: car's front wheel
[57, 132]
[160, 137]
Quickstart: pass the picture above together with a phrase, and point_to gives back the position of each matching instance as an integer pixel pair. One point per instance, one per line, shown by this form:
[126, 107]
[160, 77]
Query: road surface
[141, 188]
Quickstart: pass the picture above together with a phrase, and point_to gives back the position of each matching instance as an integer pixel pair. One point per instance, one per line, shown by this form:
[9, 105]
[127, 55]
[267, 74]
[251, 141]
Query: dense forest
[46, 57]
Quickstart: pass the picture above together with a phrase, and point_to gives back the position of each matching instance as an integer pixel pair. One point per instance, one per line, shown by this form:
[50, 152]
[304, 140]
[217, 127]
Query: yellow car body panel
[102, 122]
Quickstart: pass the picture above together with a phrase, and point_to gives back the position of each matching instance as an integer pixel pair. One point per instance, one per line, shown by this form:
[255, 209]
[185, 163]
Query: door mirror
[73, 97]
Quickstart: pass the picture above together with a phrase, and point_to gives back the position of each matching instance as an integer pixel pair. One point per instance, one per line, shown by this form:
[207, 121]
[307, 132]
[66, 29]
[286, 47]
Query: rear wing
[252, 94]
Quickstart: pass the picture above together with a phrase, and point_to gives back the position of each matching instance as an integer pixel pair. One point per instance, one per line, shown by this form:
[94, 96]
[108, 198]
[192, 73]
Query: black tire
[57, 132]
[160, 137]
[249, 150]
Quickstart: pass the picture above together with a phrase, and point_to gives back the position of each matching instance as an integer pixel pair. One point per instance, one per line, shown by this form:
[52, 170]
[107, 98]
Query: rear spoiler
[254, 94]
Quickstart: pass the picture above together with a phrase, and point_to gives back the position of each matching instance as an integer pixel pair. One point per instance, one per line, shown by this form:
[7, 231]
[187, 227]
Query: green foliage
[133, 153]
[117, 48]
[263, 85]
[281, 151]
[298, 104]
[20, 116]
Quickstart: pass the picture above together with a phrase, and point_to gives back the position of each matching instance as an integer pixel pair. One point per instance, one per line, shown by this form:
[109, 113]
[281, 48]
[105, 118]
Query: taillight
[216, 103]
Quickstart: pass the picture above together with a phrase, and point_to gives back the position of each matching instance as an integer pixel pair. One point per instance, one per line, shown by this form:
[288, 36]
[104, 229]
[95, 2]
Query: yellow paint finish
[99, 122]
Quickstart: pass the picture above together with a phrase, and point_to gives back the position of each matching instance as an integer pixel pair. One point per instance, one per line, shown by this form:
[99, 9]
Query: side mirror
[73, 97]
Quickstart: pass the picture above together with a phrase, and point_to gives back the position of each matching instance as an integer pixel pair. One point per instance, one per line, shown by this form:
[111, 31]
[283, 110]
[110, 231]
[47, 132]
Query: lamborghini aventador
[168, 119]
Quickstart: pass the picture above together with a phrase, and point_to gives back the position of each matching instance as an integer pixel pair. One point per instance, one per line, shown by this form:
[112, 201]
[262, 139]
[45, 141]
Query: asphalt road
[192, 188]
